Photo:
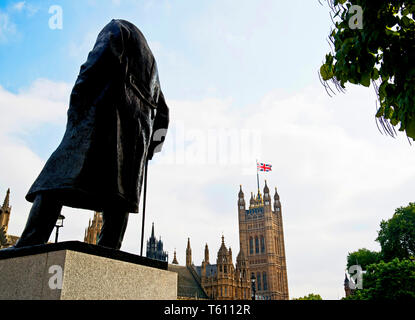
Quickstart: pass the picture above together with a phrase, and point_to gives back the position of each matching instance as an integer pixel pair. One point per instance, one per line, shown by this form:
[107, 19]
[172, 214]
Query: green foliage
[393, 281]
[390, 274]
[397, 235]
[311, 296]
[363, 257]
[381, 52]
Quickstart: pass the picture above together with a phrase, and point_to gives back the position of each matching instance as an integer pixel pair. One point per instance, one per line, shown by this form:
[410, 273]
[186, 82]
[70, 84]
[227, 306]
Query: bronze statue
[115, 108]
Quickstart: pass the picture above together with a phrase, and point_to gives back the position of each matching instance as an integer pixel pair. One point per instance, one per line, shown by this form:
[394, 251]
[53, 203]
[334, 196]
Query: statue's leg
[113, 228]
[41, 221]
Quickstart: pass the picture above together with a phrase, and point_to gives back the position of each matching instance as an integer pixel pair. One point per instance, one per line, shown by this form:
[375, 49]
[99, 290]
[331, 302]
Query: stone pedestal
[79, 271]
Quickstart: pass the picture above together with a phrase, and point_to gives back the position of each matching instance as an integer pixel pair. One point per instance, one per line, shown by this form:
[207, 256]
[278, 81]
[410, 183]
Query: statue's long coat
[115, 106]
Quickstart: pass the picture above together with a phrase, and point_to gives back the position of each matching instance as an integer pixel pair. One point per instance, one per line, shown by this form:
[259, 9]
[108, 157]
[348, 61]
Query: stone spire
[252, 200]
[277, 203]
[206, 254]
[188, 253]
[266, 191]
[175, 258]
[6, 200]
[5, 212]
[241, 193]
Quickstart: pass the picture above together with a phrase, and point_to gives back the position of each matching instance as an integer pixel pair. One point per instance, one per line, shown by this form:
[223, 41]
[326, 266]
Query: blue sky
[202, 47]
[247, 66]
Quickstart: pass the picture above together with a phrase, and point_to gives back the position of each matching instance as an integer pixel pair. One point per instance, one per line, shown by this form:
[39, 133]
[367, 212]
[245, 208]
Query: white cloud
[19, 5]
[336, 175]
[23, 6]
[42, 103]
[7, 27]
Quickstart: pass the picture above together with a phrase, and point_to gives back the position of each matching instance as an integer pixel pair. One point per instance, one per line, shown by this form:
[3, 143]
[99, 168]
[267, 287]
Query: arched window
[258, 279]
[225, 269]
[264, 281]
[262, 244]
[276, 246]
[256, 245]
[251, 245]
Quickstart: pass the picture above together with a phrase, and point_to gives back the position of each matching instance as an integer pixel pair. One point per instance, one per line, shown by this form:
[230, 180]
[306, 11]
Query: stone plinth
[80, 271]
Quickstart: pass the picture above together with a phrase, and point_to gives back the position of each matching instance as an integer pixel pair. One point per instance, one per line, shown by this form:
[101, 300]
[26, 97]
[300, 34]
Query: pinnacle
[7, 199]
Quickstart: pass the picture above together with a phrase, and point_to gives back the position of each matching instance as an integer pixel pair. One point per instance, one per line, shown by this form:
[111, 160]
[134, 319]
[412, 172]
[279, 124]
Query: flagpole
[257, 175]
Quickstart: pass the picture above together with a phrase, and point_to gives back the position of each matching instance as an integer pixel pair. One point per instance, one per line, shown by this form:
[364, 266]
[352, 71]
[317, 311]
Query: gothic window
[276, 246]
[262, 244]
[256, 245]
[258, 279]
[225, 269]
[264, 281]
[226, 291]
[251, 245]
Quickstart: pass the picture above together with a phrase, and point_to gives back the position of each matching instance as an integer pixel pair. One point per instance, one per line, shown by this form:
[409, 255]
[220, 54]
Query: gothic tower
[5, 210]
[155, 248]
[225, 273]
[94, 229]
[262, 240]
[242, 276]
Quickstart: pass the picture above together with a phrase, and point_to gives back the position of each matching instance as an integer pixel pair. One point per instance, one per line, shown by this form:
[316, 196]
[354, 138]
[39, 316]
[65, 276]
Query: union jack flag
[264, 167]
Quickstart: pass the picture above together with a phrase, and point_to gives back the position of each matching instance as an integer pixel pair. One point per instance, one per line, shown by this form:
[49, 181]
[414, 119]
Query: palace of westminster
[260, 261]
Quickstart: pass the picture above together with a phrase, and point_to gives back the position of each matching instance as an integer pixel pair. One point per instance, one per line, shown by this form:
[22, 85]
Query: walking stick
[144, 205]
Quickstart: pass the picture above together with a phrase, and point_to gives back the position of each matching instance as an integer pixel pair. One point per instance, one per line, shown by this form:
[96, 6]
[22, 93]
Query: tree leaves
[363, 257]
[392, 281]
[311, 296]
[383, 52]
[397, 235]
[390, 273]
